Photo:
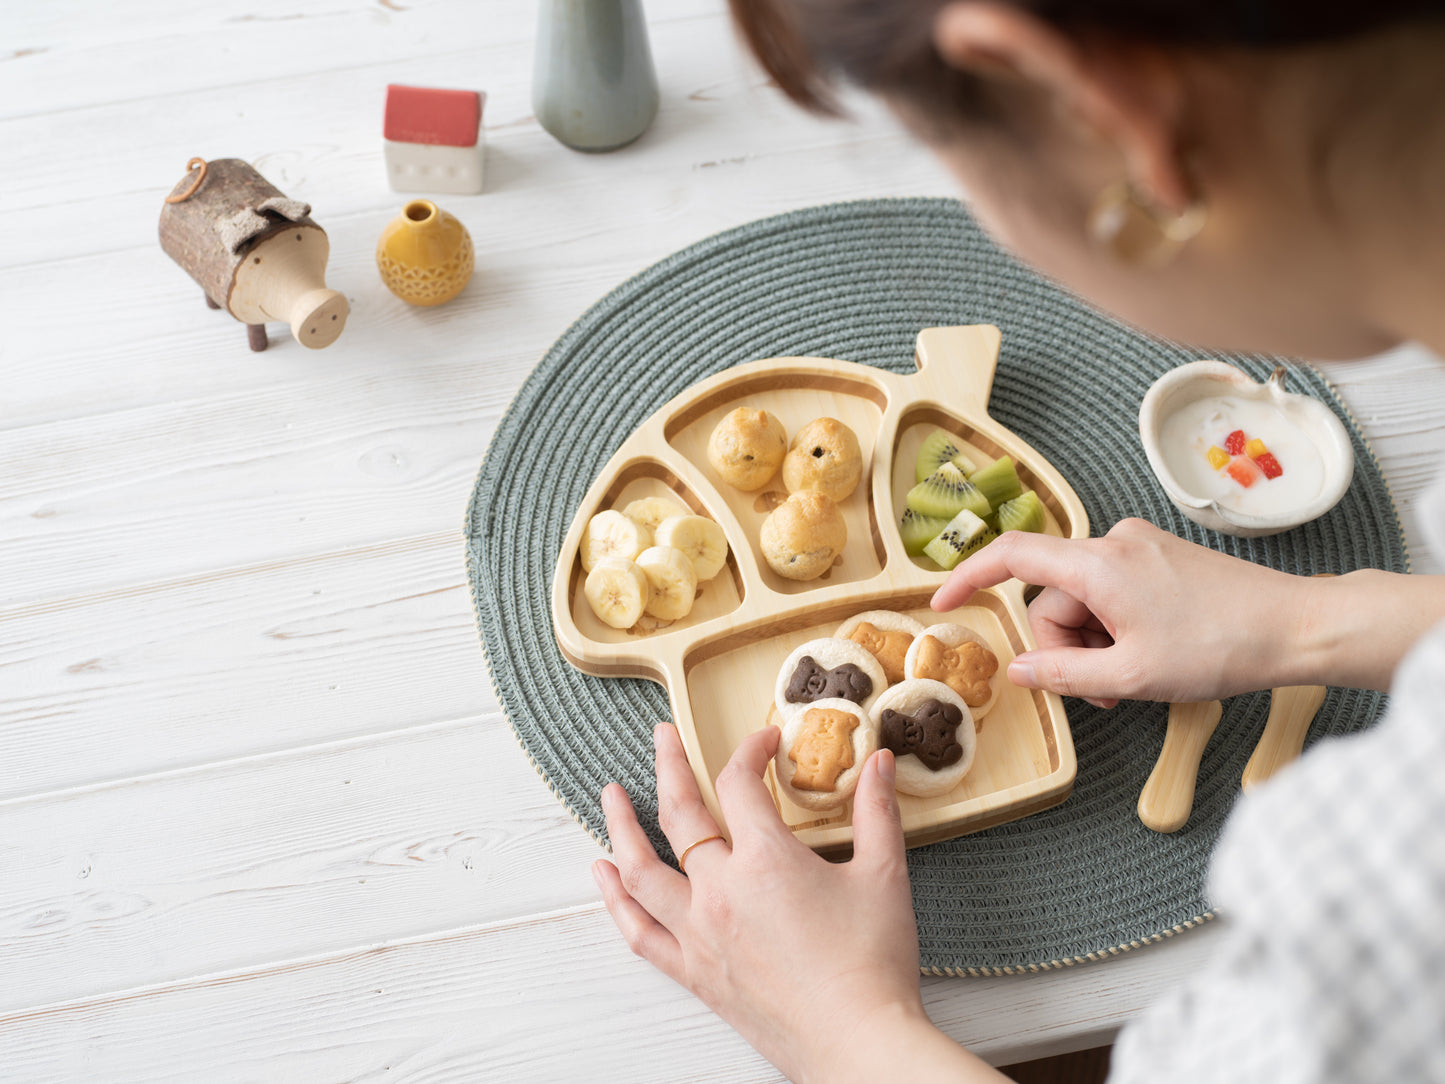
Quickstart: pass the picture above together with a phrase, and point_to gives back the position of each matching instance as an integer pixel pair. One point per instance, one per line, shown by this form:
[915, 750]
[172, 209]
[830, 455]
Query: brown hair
[886, 46]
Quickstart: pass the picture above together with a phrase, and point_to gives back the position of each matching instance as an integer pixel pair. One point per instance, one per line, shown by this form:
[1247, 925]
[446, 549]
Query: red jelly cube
[1270, 465]
[1243, 470]
[1234, 443]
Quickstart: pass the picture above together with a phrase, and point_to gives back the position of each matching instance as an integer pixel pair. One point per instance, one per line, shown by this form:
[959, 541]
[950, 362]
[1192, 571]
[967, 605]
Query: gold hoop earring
[1136, 231]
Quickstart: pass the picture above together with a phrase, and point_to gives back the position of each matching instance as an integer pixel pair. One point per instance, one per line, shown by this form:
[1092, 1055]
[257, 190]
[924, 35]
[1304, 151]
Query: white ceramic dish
[1198, 380]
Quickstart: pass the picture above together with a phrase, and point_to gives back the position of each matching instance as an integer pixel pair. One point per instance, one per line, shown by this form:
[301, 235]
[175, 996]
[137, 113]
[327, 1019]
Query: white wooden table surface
[260, 817]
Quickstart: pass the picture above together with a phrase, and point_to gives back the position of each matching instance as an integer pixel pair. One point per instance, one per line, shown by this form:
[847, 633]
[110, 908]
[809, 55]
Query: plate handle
[1168, 796]
[956, 364]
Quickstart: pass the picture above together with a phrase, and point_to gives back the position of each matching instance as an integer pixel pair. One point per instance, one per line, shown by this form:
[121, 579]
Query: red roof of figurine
[449, 118]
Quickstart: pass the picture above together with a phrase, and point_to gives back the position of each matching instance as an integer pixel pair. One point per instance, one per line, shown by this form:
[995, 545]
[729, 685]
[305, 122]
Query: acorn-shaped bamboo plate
[720, 662]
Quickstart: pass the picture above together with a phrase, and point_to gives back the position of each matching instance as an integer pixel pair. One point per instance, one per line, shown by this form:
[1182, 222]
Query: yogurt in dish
[1188, 433]
[1301, 471]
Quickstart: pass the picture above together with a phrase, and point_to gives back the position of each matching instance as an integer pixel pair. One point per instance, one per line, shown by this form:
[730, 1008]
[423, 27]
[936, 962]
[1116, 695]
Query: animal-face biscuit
[886, 635]
[825, 669]
[930, 733]
[958, 657]
[822, 751]
[930, 730]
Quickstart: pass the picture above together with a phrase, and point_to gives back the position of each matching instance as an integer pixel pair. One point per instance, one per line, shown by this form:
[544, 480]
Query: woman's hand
[814, 963]
[1143, 614]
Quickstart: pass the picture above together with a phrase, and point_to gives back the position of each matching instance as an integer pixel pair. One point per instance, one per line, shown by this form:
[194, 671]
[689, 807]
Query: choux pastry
[747, 447]
[823, 457]
[801, 537]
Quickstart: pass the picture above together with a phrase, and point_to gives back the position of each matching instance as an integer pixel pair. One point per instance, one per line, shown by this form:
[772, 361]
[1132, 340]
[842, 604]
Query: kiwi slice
[999, 481]
[918, 530]
[946, 492]
[937, 449]
[964, 534]
[964, 463]
[1025, 513]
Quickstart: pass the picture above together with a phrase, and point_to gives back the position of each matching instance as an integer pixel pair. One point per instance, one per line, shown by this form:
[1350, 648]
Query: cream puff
[747, 447]
[803, 536]
[823, 457]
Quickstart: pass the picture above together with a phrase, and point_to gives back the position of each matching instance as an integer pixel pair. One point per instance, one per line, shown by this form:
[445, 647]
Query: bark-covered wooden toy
[254, 253]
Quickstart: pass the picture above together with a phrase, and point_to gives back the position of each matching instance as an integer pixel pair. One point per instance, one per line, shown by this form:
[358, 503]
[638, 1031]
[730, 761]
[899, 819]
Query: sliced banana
[617, 590]
[700, 538]
[651, 511]
[611, 534]
[671, 581]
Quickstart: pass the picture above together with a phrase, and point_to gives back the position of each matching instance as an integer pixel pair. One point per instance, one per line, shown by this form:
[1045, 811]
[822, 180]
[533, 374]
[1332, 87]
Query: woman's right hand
[1143, 614]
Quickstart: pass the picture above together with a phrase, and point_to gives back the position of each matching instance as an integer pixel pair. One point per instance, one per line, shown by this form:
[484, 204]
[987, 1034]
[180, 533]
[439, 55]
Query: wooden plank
[238, 662]
[68, 60]
[519, 1001]
[277, 856]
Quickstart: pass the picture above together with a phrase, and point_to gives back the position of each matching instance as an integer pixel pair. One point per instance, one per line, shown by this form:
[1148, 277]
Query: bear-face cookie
[930, 731]
[824, 669]
[886, 635]
[821, 753]
[961, 659]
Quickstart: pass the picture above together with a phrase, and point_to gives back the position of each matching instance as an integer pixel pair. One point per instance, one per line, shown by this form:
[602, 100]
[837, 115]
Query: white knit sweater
[1331, 882]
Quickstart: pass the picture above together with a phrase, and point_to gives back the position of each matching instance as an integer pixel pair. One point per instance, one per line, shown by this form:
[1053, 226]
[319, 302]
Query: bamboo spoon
[1168, 797]
[1291, 710]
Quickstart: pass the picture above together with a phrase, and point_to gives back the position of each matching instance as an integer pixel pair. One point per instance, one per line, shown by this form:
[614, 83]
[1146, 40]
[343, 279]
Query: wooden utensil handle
[1168, 796]
[1291, 710]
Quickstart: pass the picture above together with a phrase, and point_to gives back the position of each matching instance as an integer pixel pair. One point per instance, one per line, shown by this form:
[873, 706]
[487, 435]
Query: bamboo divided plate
[720, 662]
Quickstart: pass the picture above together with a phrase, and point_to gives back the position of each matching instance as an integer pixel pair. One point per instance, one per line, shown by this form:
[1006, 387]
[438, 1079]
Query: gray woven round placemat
[857, 281]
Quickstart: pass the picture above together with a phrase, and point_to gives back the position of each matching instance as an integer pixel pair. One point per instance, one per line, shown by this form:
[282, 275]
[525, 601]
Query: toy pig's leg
[211, 304]
[256, 336]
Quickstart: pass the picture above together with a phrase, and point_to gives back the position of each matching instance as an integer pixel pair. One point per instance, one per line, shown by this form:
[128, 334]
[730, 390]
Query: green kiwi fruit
[1024, 513]
[964, 463]
[918, 530]
[999, 481]
[937, 449]
[964, 534]
[946, 492]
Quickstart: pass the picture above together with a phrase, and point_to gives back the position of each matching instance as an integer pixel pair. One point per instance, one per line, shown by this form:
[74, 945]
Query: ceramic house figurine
[434, 140]
[254, 253]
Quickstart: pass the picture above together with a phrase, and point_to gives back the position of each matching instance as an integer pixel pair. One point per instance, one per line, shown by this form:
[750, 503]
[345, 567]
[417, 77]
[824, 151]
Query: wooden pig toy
[255, 253]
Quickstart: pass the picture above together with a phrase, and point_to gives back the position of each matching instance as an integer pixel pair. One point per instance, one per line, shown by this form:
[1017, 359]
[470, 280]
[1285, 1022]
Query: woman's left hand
[802, 956]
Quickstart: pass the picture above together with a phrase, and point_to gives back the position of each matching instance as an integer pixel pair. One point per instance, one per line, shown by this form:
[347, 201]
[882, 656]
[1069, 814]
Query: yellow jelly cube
[1255, 448]
[1217, 456]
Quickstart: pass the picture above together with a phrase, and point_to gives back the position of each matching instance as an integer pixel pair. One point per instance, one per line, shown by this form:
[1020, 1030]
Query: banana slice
[671, 582]
[650, 511]
[617, 590]
[611, 534]
[700, 538]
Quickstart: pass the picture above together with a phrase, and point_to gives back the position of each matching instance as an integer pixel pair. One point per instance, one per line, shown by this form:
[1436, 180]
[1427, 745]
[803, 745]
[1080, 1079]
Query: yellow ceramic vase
[425, 254]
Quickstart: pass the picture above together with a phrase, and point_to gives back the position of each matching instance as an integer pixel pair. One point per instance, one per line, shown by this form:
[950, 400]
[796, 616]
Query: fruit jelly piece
[1270, 465]
[1218, 457]
[1234, 443]
[1254, 448]
[1242, 470]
